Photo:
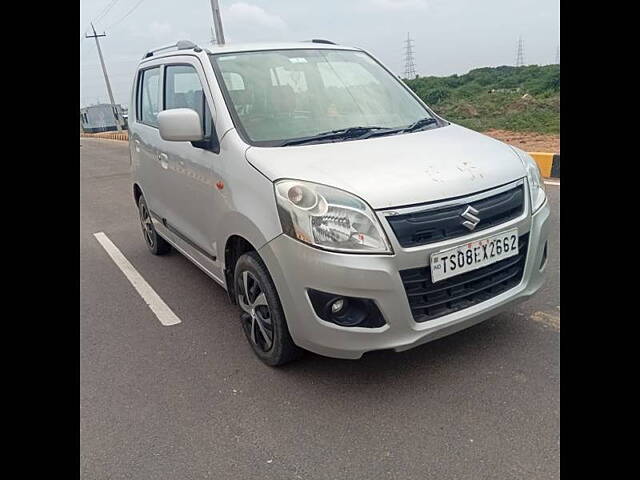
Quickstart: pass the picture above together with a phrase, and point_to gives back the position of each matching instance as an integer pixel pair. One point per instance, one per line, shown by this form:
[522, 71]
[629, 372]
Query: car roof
[250, 47]
[244, 47]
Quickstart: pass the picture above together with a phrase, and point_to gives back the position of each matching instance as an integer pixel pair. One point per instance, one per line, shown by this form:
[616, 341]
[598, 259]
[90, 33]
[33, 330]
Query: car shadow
[479, 349]
[471, 349]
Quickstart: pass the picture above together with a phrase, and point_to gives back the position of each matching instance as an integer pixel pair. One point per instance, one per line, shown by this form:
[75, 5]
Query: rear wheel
[262, 316]
[156, 244]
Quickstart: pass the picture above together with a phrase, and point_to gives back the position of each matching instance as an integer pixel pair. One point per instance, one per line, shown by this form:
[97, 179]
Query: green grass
[487, 98]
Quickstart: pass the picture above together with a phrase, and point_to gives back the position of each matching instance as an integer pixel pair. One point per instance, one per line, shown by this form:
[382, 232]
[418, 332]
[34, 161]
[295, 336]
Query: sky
[449, 36]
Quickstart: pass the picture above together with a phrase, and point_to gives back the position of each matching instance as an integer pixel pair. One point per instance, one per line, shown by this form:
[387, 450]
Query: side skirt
[201, 259]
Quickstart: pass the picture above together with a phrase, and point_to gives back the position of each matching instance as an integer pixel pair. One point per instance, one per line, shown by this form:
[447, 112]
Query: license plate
[473, 255]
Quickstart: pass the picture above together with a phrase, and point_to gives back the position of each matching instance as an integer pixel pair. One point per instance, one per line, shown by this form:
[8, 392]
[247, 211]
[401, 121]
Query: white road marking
[552, 183]
[148, 294]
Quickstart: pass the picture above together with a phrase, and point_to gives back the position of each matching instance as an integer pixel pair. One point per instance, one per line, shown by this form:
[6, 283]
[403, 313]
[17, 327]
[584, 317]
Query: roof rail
[320, 40]
[179, 45]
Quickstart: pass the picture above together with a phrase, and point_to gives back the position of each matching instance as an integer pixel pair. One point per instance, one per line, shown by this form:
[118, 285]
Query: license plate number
[473, 255]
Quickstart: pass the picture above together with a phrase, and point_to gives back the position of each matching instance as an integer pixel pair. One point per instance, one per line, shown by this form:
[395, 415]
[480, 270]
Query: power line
[100, 16]
[126, 15]
[105, 11]
[520, 53]
[409, 64]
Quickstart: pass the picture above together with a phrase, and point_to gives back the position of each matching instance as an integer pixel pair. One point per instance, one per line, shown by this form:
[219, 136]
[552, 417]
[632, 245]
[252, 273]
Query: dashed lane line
[148, 294]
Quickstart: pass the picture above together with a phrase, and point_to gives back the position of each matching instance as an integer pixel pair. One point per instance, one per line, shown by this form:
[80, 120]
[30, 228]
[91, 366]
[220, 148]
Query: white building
[101, 117]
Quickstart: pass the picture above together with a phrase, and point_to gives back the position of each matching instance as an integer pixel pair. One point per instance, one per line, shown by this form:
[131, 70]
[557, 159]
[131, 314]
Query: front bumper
[295, 267]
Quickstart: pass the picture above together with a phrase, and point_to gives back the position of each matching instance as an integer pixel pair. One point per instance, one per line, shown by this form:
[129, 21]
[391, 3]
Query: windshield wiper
[420, 124]
[360, 133]
[423, 122]
[340, 134]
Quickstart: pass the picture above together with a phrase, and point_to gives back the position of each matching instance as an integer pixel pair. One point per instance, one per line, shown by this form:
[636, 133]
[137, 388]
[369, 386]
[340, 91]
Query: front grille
[429, 300]
[421, 228]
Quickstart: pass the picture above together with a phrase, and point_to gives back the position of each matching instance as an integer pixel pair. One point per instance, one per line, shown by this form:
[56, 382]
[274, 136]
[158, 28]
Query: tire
[155, 243]
[262, 317]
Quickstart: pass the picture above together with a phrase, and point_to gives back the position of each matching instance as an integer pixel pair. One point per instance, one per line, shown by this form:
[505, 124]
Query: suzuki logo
[470, 215]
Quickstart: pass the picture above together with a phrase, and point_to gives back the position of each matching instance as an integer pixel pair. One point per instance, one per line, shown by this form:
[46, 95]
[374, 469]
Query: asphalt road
[191, 401]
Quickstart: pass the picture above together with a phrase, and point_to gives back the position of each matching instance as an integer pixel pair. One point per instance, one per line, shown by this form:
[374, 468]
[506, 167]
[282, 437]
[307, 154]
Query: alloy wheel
[147, 225]
[257, 315]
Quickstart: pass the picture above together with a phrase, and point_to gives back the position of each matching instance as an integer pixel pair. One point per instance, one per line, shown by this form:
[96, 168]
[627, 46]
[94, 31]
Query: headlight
[328, 218]
[534, 177]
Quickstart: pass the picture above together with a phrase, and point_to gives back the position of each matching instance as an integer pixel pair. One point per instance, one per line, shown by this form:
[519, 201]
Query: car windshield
[280, 97]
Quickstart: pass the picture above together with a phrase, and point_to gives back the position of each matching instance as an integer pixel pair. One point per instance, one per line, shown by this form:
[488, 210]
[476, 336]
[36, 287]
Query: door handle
[163, 158]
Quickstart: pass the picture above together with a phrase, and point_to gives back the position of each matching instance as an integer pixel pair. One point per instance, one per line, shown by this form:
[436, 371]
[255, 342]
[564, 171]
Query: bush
[436, 96]
[491, 97]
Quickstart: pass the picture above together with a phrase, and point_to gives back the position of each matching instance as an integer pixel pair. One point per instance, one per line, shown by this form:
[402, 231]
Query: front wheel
[262, 316]
[156, 244]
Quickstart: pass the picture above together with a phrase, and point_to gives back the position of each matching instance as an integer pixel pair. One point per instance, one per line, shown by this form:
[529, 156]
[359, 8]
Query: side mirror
[180, 125]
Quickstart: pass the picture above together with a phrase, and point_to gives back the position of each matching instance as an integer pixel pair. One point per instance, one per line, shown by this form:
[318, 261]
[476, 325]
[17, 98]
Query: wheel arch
[240, 235]
[137, 192]
[235, 246]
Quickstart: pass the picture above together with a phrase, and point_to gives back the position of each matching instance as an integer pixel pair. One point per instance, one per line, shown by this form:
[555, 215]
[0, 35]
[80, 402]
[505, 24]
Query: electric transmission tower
[520, 54]
[409, 64]
[558, 55]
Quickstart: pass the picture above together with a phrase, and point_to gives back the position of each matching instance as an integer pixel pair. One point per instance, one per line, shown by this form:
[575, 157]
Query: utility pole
[106, 77]
[217, 21]
[520, 54]
[409, 65]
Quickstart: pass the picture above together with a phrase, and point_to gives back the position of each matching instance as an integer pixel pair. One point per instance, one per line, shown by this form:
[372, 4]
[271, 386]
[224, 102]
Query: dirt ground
[527, 141]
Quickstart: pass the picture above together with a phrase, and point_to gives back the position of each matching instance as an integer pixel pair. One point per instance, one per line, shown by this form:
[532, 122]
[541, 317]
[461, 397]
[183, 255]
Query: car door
[192, 166]
[150, 168]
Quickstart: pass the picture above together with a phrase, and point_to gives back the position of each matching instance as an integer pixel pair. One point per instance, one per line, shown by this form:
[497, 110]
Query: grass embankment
[518, 99]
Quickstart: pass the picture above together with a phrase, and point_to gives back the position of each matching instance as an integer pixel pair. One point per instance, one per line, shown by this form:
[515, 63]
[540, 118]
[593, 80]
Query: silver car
[340, 213]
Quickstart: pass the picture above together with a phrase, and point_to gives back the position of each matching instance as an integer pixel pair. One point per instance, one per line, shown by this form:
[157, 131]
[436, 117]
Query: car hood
[398, 170]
